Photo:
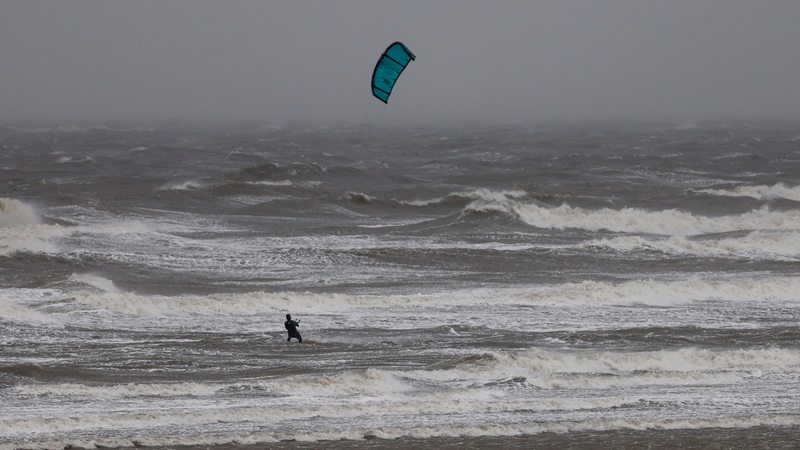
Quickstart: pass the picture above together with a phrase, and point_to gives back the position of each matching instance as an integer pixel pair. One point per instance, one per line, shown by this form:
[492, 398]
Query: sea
[557, 285]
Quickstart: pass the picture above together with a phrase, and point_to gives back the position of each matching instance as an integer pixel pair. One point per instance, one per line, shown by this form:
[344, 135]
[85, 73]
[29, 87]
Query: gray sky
[494, 60]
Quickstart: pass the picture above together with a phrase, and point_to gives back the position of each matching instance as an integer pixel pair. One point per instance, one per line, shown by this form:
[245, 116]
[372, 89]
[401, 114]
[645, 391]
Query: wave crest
[760, 192]
[670, 222]
[637, 292]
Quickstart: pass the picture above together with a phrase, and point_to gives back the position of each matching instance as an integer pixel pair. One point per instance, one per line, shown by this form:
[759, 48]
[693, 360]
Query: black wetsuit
[291, 327]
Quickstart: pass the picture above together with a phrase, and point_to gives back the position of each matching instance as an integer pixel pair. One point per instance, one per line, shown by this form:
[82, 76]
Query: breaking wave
[671, 222]
[184, 186]
[21, 229]
[104, 296]
[477, 388]
[760, 192]
[16, 312]
[668, 222]
[14, 213]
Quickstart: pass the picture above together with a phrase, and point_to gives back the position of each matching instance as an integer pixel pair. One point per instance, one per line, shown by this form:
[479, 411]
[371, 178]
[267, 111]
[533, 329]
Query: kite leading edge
[388, 68]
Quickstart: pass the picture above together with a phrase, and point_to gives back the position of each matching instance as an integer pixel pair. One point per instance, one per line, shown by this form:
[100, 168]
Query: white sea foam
[251, 200]
[398, 223]
[532, 428]
[19, 432]
[483, 379]
[760, 192]
[666, 293]
[550, 385]
[578, 370]
[778, 245]
[636, 292]
[129, 390]
[368, 382]
[14, 311]
[303, 434]
[271, 183]
[457, 402]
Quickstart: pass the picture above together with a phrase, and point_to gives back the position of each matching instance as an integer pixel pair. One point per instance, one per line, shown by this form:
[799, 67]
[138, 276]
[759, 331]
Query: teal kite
[389, 67]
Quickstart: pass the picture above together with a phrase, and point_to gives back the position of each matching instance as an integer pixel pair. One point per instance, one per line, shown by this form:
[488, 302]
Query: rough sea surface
[581, 286]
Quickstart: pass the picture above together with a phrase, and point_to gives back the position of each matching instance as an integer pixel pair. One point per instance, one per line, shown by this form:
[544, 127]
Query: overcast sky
[493, 60]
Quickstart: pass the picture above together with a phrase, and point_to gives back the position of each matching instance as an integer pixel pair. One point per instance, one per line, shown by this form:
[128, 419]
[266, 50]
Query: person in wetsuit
[291, 327]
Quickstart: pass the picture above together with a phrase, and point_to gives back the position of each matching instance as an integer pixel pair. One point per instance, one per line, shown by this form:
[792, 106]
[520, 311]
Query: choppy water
[501, 285]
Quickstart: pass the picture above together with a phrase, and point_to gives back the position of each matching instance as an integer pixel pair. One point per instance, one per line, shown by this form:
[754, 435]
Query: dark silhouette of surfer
[291, 327]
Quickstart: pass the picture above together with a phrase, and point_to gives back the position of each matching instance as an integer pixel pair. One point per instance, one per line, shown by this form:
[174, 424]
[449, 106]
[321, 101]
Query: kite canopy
[389, 67]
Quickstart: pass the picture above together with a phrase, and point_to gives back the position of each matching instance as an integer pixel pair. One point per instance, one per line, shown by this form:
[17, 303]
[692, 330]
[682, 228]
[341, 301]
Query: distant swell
[44, 373]
[275, 172]
[23, 370]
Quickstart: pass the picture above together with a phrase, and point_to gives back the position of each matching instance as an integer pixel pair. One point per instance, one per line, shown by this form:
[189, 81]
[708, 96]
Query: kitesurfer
[291, 327]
